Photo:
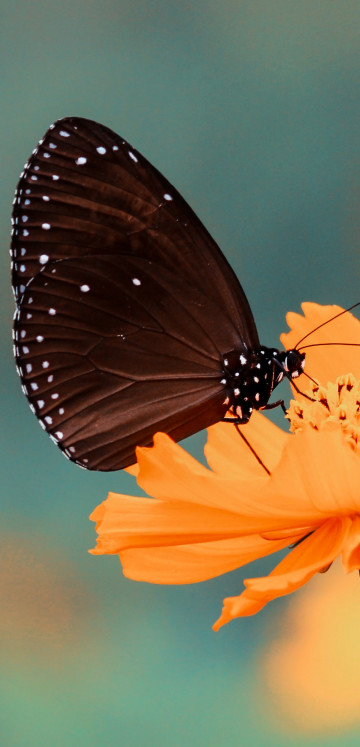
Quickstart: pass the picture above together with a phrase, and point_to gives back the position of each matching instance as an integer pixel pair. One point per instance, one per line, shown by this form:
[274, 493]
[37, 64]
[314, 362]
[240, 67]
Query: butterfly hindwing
[104, 371]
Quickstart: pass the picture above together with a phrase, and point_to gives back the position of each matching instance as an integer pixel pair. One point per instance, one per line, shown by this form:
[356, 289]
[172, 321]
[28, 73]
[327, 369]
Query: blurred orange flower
[204, 522]
[308, 671]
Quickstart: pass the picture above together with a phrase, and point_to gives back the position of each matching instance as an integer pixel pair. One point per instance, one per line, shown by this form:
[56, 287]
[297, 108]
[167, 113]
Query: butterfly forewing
[126, 305]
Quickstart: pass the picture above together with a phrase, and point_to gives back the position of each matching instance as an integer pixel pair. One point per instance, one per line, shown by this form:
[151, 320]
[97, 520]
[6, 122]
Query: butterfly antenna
[252, 450]
[345, 311]
[323, 344]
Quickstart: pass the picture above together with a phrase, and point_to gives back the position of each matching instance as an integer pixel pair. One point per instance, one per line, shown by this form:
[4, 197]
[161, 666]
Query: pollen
[337, 403]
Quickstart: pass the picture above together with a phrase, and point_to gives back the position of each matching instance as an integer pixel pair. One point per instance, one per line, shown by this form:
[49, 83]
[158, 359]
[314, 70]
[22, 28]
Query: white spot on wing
[133, 156]
[63, 133]
[39, 338]
[45, 364]
[136, 281]
[52, 312]
[101, 150]
[80, 161]
[46, 226]
[84, 288]
[43, 259]
[167, 196]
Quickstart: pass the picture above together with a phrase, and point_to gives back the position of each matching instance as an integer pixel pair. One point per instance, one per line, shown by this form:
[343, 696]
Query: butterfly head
[292, 363]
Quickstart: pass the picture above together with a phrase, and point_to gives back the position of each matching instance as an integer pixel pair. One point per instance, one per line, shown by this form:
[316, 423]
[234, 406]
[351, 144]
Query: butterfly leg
[300, 392]
[256, 455]
[237, 421]
[278, 403]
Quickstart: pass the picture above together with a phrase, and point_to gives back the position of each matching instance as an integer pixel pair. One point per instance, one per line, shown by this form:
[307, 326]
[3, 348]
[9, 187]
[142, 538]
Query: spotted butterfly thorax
[129, 318]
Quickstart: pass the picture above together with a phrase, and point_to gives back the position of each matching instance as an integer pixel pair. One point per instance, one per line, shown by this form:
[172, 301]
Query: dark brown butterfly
[129, 318]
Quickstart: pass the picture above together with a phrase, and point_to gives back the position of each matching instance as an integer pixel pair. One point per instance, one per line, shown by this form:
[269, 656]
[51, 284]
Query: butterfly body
[251, 376]
[126, 307]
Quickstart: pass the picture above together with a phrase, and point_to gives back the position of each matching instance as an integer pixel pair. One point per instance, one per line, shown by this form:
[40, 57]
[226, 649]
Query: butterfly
[129, 318]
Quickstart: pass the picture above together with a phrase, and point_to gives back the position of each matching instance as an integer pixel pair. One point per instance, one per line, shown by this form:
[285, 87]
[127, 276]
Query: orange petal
[132, 470]
[169, 473]
[318, 476]
[125, 522]
[310, 556]
[351, 551]
[227, 453]
[325, 363]
[193, 563]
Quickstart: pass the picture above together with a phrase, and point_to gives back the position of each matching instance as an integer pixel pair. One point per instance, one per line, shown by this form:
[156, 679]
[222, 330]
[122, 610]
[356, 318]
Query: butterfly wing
[125, 303]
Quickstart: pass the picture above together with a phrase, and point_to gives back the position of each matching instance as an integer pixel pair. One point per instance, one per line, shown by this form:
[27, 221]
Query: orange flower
[205, 522]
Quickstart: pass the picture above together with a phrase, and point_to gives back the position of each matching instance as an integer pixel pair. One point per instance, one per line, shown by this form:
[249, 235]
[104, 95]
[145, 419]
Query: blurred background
[251, 108]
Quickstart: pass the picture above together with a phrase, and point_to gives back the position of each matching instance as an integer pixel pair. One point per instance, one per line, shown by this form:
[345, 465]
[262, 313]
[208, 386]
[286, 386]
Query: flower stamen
[335, 403]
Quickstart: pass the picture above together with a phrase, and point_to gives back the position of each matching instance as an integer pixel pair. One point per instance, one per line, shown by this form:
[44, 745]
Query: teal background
[251, 109]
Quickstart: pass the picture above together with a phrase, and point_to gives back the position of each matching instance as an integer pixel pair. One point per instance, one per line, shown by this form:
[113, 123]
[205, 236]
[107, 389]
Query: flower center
[338, 403]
